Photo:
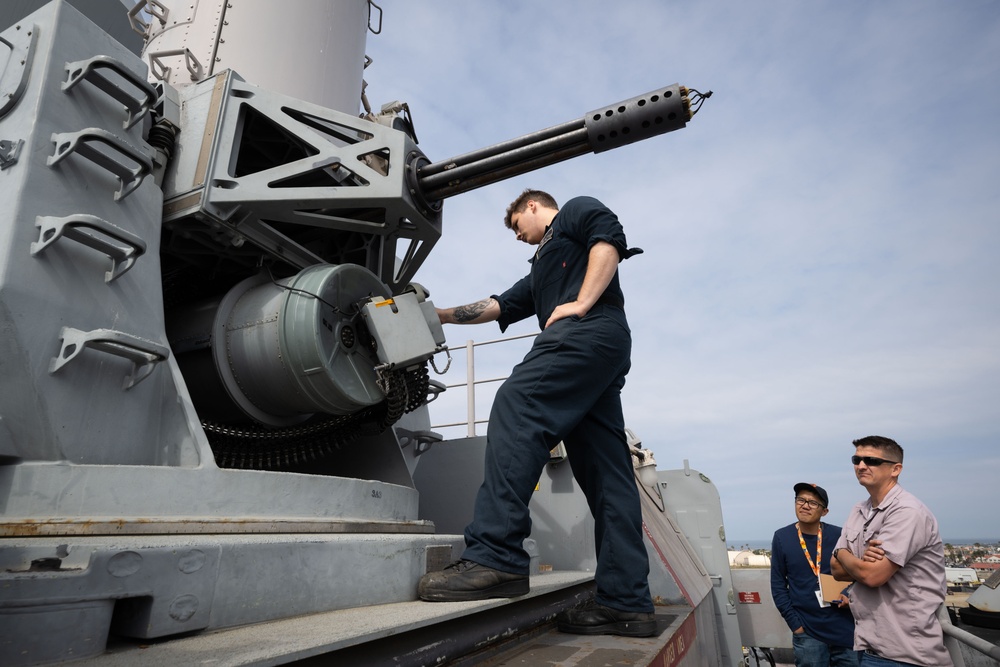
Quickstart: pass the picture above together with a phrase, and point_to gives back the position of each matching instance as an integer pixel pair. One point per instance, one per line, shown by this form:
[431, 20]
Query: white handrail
[471, 382]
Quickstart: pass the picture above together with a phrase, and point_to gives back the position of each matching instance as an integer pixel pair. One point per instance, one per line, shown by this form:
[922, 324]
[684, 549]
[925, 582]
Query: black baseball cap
[818, 490]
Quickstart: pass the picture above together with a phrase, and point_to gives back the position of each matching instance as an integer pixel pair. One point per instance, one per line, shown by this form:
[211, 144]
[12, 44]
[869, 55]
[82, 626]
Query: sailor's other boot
[596, 619]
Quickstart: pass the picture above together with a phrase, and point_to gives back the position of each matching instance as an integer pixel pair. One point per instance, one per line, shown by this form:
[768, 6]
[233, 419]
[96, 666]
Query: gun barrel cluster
[641, 117]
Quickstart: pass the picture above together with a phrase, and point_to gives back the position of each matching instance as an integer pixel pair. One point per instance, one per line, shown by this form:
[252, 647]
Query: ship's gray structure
[215, 362]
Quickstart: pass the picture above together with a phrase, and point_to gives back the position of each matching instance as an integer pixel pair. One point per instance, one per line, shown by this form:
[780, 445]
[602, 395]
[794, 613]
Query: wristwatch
[835, 552]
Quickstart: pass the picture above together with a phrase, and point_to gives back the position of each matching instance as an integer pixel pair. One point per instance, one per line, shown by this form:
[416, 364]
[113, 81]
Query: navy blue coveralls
[567, 388]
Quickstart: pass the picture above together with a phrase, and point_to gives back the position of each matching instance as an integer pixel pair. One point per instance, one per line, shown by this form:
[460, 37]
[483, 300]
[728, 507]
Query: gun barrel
[642, 117]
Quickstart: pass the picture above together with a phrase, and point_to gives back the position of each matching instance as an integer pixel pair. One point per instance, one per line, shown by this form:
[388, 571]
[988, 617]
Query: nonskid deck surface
[566, 650]
[301, 637]
[486, 632]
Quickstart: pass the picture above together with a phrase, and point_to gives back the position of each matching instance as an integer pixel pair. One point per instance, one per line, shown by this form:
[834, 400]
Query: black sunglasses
[870, 461]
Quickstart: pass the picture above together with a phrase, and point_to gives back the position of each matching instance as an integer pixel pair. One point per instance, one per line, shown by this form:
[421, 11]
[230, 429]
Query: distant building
[984, 569]
[960, 575]
[748, 559]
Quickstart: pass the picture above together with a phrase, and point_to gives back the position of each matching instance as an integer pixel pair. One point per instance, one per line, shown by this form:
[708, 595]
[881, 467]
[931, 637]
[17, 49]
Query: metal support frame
[325, 185]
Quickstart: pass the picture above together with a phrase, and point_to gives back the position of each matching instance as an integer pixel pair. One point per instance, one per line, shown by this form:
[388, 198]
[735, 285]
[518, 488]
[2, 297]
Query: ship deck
[519, 631]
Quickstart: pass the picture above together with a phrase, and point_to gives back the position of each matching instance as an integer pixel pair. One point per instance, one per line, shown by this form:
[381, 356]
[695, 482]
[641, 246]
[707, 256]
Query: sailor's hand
[843, 601]
[566, 310]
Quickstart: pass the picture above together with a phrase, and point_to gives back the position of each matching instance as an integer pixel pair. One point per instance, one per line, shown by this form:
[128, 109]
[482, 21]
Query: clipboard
[831, 587]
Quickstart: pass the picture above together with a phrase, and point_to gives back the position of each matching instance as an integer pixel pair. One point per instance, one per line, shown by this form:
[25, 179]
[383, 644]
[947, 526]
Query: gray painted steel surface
[114, 513]
[115, 517]
[314, 51]
[760, 621]
[54, 285]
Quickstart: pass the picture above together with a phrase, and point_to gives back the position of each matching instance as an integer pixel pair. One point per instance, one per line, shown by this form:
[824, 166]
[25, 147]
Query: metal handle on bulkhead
[84, 142]
[144, 354]
[136, 107]
[75, 227]
[151, 7]
[14, 78]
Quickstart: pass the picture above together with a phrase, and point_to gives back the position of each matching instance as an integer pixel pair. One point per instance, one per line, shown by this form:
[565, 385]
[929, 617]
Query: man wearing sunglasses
[890, 547]
[822, 633]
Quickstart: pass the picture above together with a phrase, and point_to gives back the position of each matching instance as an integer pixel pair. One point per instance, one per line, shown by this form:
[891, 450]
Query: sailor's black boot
[596, 619]
[466, 580]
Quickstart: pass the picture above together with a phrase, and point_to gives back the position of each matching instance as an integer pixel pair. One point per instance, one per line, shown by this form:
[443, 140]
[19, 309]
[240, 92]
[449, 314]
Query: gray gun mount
[212, 357]
[304, 185]
[256, 243]
[261, 179]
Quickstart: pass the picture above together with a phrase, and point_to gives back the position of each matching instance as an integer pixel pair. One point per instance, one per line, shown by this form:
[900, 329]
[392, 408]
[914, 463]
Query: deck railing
[471, 382]
[955, 633]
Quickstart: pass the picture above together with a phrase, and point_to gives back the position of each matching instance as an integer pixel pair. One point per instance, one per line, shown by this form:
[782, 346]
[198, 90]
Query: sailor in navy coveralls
[567, 388]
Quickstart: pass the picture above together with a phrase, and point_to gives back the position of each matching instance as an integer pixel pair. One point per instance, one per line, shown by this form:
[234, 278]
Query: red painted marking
[674, 650]
[663, 560]
[749, 597]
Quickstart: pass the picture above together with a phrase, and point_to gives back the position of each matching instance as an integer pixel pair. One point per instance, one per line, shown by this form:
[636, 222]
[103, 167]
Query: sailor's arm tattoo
[487, 310]
[473, 311]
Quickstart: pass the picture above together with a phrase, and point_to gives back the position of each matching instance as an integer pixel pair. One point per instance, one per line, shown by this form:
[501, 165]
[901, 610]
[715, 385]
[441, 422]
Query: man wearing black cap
[822, 633]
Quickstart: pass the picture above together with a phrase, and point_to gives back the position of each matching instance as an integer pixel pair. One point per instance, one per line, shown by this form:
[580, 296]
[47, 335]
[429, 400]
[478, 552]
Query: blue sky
[821, 241]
